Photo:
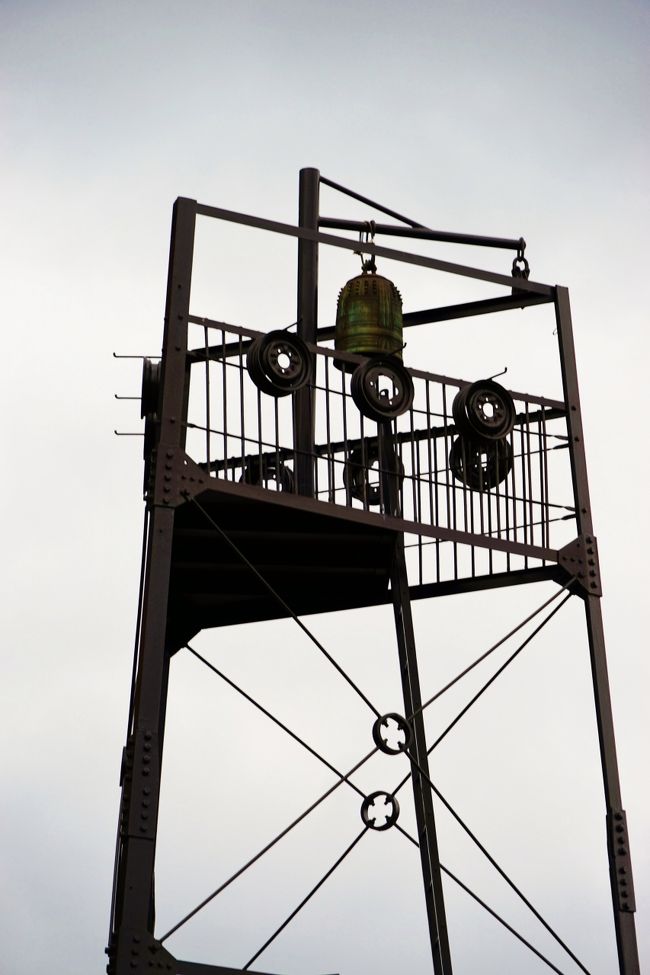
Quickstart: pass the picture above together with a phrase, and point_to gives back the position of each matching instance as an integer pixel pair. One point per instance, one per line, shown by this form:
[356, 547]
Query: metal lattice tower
[372, 508]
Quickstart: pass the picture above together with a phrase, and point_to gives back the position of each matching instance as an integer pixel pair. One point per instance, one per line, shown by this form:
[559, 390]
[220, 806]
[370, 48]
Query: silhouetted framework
[368, 512]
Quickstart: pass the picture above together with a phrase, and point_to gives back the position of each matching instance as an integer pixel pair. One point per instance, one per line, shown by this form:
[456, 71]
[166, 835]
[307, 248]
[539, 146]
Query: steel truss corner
[579, 559]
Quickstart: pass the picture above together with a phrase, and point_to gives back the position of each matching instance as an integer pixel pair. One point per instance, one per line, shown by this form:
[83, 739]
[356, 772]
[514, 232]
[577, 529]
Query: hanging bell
[368, 317]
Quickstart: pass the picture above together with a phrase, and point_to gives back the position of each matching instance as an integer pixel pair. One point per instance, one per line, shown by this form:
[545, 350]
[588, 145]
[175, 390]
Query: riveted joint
[138, 952]
[579, 559]
[177, 477]
[620, 860]
[142, 808]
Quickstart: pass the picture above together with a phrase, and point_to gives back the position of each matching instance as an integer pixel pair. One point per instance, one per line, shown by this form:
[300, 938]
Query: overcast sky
[498, 118]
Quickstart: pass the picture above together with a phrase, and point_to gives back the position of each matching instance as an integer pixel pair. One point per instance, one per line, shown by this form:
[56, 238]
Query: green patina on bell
[369, 317]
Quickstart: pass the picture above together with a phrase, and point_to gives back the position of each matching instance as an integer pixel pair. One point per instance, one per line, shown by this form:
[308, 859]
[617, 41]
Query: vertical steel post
[133, 899]
[408, 660]
[303, 400]
[620, 867]
[424, 813]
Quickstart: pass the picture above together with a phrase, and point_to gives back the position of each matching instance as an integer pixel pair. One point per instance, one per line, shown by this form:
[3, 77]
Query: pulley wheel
[361, 465]
[269, 473]
[279, 363]
[480, 465]
[484, 410]
[150, 387]
[382, 388]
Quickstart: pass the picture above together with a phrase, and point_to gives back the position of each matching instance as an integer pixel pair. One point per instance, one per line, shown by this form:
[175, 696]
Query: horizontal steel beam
[423, 233]
[284, 499]
[302, 233]
[467, 309]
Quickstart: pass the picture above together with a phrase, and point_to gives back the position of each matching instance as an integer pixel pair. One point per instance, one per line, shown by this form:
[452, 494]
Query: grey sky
[481, 117]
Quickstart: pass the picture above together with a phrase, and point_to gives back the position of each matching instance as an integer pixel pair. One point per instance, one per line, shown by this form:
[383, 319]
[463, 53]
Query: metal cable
[497, 673]
[268, 846]
[495, 646]
[291, 733]
[491, 679]
[276, 721]
[494, 863]
[485, 686]
[284, 605]
[371, 203]
[302, 903]
[498, 917]
[494, 914]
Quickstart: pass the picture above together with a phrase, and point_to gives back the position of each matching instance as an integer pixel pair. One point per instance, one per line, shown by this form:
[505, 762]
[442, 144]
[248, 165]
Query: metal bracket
[580, 558]
[176, 477]
[141, 797]
[619, 848]
[138, 953]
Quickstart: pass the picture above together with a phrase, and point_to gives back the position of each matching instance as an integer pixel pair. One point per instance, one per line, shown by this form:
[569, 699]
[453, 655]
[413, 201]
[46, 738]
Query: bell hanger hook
[369, 234]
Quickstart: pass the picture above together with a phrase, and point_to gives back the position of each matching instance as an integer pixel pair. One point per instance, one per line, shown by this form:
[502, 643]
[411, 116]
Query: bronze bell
[368, 317]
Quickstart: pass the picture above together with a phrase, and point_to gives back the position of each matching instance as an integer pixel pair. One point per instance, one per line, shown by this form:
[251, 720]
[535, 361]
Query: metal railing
[516, 517]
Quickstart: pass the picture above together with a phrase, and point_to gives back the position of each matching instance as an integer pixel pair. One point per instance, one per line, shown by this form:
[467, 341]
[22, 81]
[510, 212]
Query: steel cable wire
[501, 920]
[308, 897]
[272, 717]
[266, 848]
[485, 686]
[495, 646]
[284, 605]
[494, 863]
[464, 826]
[346, 776]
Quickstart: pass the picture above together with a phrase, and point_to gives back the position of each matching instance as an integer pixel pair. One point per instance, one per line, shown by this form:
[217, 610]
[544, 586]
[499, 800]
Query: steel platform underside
[317, 561]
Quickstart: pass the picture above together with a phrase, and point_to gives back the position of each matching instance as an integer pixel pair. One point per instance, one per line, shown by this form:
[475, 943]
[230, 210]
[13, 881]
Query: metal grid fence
[240, 434]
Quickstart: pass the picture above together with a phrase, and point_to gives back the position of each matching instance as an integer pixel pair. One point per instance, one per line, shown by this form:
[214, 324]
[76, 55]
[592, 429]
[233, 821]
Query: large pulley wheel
[382, 388]
[279, 363]
[364, 463]
[484, 410]
[150, 387]
[268, 472]
[480, 465]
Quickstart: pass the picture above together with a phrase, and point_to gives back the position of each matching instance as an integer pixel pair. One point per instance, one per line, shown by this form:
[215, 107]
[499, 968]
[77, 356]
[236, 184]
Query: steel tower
[342, 457]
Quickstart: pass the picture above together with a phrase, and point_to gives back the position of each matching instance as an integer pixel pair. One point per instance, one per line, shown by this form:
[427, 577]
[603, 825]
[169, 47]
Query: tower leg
[133, 906]
[620, 866]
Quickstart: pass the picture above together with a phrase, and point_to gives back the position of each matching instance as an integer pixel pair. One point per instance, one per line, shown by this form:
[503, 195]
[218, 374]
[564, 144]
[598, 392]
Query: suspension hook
[520, 267]
[366, 236]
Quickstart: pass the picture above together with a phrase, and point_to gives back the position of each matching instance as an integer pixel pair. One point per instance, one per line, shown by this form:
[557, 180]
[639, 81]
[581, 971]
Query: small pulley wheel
[279, 363]
[480, 465]
[376, 817]
[361, 465]
[484, 410]
[382, 388]
[382, 726]
[269, 473]
[150, 387]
